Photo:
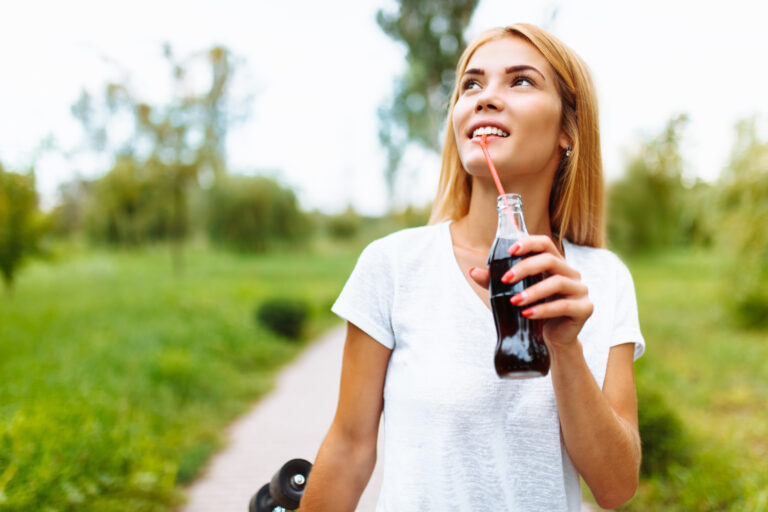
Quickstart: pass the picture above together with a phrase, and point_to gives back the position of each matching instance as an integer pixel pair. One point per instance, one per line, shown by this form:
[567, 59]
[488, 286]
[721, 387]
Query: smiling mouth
[489, 130]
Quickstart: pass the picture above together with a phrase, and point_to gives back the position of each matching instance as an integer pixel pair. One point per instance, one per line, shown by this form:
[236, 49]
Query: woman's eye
[522, 80]
[469, 84]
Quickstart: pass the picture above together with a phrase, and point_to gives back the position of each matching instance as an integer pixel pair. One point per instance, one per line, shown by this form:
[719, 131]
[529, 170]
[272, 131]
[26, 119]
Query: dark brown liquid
[520, 348]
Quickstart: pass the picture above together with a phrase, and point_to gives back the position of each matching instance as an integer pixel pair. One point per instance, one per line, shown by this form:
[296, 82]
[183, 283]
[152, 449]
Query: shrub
[285, 317]
[254, 213]
[664, 439]
[345, 225]
[743, 236]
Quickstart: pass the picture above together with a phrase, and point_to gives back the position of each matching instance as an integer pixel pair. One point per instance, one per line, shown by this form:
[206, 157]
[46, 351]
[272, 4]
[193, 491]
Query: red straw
[483, 144]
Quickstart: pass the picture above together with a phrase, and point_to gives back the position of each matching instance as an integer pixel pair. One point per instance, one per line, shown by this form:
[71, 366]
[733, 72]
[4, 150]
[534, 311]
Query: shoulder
[405, 243]
[598, 265]
[593, 257]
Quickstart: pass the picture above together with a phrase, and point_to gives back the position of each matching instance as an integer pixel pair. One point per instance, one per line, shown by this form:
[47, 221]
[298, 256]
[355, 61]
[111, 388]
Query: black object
[285, 490]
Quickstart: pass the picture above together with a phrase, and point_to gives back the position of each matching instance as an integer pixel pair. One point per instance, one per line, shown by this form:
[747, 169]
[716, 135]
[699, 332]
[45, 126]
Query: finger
[533, 243]
[553, 285]
[539, 264]
[572, 308]
[481, 276]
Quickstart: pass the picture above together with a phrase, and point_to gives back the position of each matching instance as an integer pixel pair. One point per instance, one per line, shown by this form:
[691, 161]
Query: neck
[478, 228]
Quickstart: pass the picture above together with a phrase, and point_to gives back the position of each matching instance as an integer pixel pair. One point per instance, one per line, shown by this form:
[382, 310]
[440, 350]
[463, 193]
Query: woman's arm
[347, 455]
[599, 427]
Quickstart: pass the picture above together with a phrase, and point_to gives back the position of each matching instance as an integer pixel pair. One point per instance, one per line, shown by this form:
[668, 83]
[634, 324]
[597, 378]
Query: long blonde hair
[576, 202]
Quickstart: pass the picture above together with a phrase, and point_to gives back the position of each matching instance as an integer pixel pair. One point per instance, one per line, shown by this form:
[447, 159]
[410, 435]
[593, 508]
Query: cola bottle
[520, 349]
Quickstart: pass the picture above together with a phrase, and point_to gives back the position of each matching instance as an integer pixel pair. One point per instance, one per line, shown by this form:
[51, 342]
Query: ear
[564, 141]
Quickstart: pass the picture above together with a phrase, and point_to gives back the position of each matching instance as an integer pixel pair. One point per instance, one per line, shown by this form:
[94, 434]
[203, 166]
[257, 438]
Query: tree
[22, 224]
[647, 205]
[171, 145]
[742, 233]
[433, 34]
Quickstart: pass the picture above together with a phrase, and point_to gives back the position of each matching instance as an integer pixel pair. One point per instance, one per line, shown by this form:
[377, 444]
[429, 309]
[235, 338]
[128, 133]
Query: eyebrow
[510, 70]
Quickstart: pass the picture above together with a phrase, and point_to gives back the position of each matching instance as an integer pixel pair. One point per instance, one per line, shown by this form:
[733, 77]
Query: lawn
[117, 376]
[714, 376]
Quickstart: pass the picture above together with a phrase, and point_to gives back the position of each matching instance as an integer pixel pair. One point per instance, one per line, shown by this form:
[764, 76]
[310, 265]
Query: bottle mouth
[509, 200]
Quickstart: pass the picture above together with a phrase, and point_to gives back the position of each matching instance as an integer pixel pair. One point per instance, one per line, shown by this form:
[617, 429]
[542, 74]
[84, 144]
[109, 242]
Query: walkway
[289, 423]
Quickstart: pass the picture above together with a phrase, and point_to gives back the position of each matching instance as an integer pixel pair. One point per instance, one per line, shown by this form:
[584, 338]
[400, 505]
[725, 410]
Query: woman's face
[509, 88]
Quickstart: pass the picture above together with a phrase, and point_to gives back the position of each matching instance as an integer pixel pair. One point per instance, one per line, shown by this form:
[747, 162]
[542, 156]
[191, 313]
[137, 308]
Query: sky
[317, 71]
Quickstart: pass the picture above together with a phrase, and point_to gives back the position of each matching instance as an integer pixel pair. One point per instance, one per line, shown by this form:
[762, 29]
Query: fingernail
[507, 277]
[471, 269]
[517, 299]
[527, 312]
[515, 247]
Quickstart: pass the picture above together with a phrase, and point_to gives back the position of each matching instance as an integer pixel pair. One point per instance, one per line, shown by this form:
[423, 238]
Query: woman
[421, 336]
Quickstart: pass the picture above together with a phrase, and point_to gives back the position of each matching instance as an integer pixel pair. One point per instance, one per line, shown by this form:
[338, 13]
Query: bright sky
[320, 69]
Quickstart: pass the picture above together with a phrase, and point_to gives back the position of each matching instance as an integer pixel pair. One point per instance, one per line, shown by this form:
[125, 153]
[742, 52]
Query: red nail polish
[470, 270]
[527, 312]
[515, 247]
[508, 277]
[516, 299]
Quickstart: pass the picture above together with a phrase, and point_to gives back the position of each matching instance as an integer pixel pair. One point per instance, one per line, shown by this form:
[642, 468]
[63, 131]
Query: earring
[568, 152]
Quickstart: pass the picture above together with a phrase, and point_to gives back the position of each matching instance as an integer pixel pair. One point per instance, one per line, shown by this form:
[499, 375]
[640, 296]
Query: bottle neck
[511, 222]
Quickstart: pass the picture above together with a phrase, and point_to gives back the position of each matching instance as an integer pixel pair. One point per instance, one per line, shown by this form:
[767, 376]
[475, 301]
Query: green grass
[117, 376]
[714, 376]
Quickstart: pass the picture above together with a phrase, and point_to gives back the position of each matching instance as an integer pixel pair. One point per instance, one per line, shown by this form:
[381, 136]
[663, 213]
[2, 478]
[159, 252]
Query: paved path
[289, 423]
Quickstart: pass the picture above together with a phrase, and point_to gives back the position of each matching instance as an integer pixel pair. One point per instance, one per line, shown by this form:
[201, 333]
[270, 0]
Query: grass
[713, 375]
[117, 376]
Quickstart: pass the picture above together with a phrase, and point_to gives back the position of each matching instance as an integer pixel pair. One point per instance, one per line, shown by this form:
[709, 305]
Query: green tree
[172, 144]
[433, 35]
[742, 233]
[22, 224]
[647, 205]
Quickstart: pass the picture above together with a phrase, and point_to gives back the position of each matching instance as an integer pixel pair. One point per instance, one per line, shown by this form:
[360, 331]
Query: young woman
[421, 336]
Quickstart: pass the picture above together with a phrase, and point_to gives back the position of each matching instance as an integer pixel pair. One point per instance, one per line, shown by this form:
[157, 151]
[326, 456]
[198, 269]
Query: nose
[488, 100]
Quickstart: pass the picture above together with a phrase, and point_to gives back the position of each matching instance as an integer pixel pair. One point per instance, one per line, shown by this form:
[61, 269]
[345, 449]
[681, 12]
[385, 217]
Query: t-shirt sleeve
[626, 327]
[367, 297]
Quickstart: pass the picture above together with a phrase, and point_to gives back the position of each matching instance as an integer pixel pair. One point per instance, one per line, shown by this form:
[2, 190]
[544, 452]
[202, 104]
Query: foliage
[345, 225]
[433, 35]
[650, 208]
[118, 378]
[662, 433]
[285, 317]
[172, 146]
[743, 234]
[22, 224]
[711, 375]
[254, 213]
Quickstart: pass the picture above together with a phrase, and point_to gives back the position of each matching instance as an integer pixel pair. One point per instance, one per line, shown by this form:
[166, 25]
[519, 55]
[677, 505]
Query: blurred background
[185, 187]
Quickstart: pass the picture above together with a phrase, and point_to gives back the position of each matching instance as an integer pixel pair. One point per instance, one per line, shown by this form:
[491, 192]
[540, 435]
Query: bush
[345, 225]
[254, 213]
[664, 439]
[22, 224]
[285, 317]
[743, 236]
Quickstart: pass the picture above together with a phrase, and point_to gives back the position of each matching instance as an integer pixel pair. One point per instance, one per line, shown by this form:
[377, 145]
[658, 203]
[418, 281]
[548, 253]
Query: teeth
[489, 130]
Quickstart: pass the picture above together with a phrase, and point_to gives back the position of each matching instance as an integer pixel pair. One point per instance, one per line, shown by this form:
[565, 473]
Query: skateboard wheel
[287, 486]
[262, 501]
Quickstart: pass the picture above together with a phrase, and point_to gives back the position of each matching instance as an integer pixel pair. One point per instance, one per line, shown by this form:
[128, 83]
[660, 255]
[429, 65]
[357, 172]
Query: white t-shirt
[456, 436]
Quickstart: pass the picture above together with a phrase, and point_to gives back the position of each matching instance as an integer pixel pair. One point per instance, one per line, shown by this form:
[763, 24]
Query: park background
[182, 183]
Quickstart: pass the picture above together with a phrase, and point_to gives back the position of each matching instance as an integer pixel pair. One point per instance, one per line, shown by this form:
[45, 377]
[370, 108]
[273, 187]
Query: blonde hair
[576, 202]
